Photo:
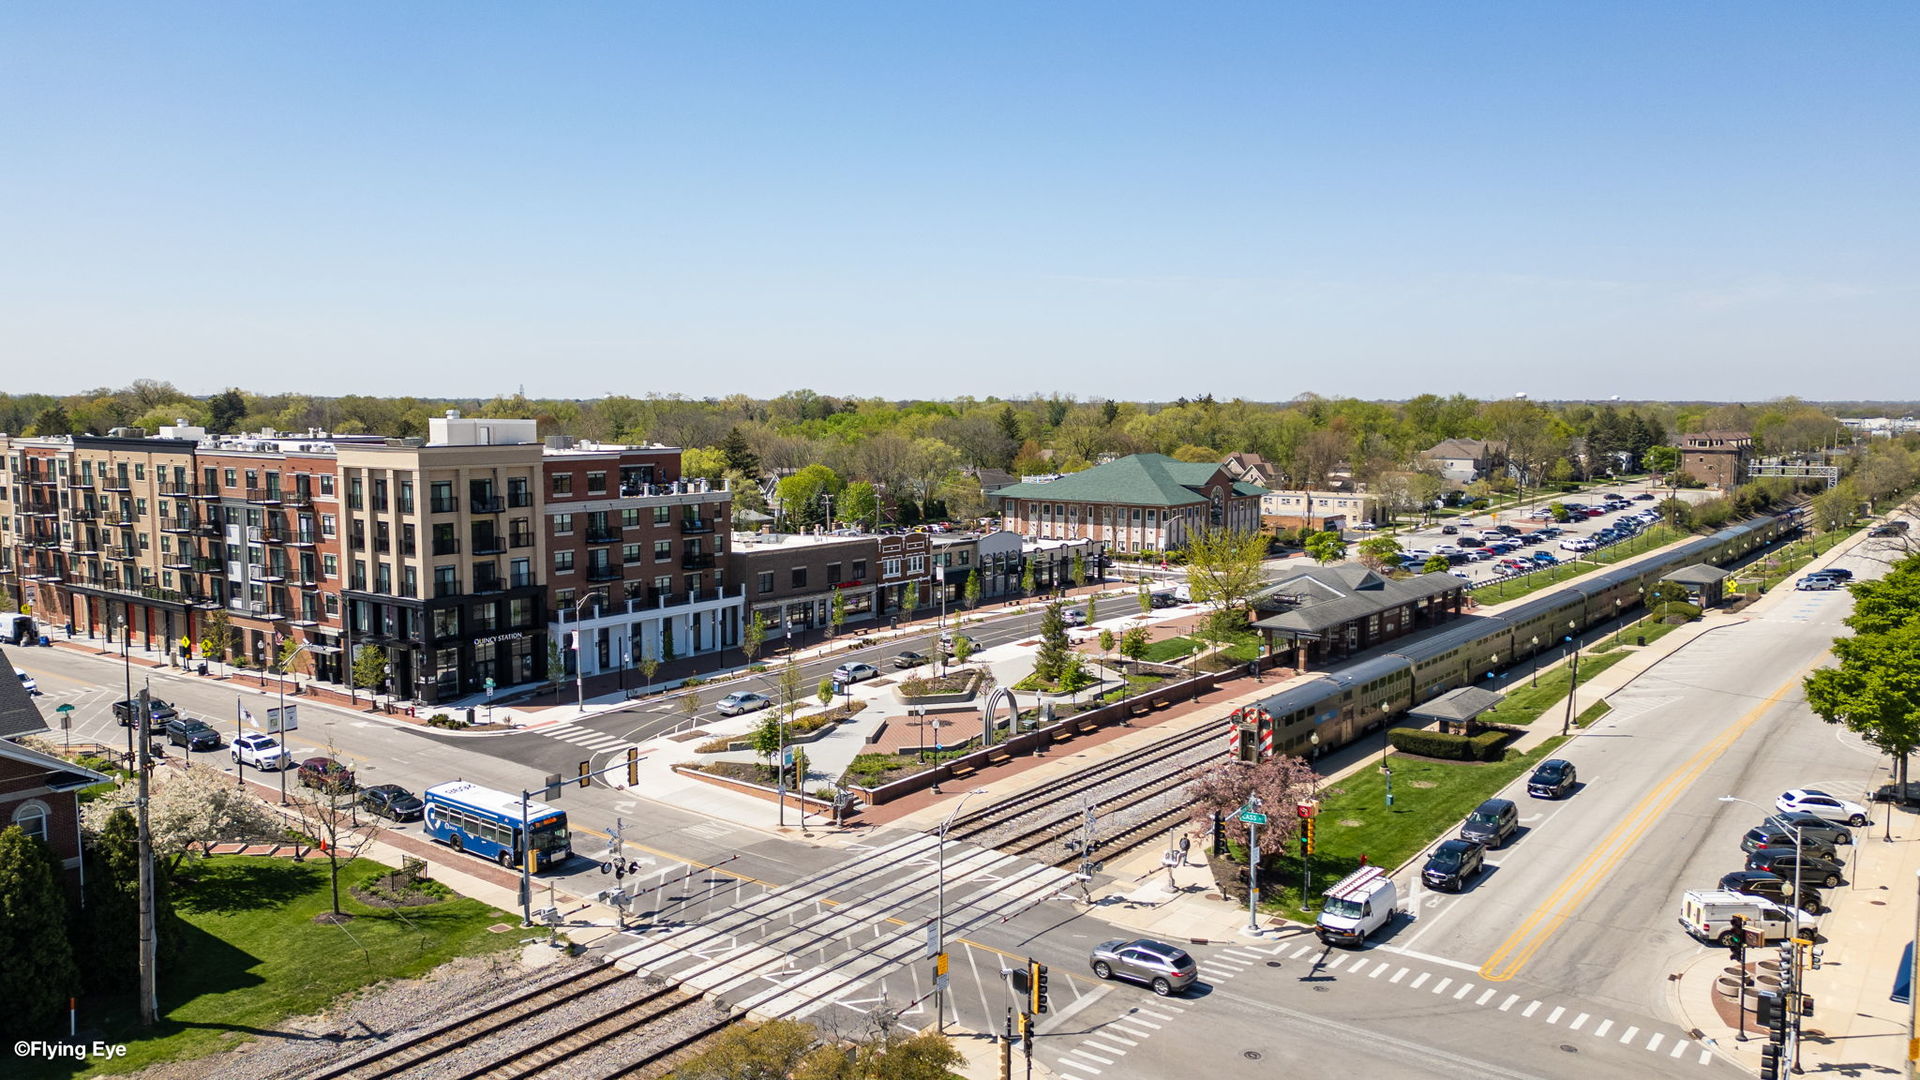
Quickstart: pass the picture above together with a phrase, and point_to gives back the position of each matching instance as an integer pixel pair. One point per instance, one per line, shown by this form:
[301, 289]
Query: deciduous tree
[39, 973]
[1281, 783]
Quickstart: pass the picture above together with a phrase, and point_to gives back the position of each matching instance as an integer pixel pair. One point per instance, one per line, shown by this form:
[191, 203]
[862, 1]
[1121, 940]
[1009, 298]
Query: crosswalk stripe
[1627, 1035]
[1527, 1013]
[1554, 1016]
[1424, 976]
[1079, 1065]
[1105, 1049]
[1601, 1031]
[1334, 964]
[1486, 997]
[1465, 989]
[1302, 951]
[1654, 1043]
[1106, 1033]
[1398, 975]
[1508, 1004]
[1091, 1056]
[1377, 969]
[1706, 1057]
[1358, 967]
[1679, 1047]
[1147, 1023]
[1579, 1022]
[1442, 985]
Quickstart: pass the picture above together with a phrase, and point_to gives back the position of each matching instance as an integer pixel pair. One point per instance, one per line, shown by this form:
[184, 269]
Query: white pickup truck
[1708, 916]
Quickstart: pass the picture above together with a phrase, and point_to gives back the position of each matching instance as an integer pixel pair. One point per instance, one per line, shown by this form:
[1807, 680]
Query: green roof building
[1144, 502]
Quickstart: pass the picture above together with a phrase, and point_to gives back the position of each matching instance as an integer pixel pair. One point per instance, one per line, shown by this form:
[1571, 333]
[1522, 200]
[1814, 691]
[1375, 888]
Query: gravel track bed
[1114, 823]
[530, 1031]
[1111, 790]
[612, 1055]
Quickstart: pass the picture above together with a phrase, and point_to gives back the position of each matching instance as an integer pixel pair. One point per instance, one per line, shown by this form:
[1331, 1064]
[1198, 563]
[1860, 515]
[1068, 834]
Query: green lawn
[253, 956]
[1591, 713]
[1428, 798]
[1526, 700]
[1647, 631]
[1170, 649]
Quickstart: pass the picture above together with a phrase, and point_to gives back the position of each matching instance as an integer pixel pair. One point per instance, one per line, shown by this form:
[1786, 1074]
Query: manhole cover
[1250, 1055]
[1569, 1048]
[1273, 963]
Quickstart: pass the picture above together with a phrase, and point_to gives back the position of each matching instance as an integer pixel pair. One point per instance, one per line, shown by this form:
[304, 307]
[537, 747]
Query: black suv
[1822, 872]
[158, 713]
[1770, 887]
[1453, 864]
[192, 734]
[1769, 838]
[1492, 823]
[391, 801]
[1813, 826]
[1553, 779]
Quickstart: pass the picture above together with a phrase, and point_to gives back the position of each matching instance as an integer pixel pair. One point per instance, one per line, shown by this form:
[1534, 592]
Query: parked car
[392, 801]
[1453, 864]
[1835, 835]
[1509, 530]
[1645, 496]
[28, 682]
[853, 673]
[158, 713]
[1834, 572]
[910, 659]
[1820, 804]
[1762, 838]
[1554, 779]
[326, 774]
[1449, 530]
[1165, 968]
[261, 752]
[1364, 526]
[1165, 600]
[1544, 558]
[1822, 872]
[1771, 887]
[1492, 823]
[192, 734]
[742, 701]
[1817, 584]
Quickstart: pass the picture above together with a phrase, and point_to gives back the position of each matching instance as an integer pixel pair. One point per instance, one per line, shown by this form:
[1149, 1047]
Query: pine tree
[39, 974]
[1050, 662]
[739, 457]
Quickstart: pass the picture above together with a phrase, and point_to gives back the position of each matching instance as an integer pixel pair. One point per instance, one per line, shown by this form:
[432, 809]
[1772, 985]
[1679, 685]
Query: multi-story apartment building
[636, 556]
[442, 552]
[790, 579]
[1143, 502]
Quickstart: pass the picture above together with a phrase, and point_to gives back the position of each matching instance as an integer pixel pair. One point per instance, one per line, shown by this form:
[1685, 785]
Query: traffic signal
[1771, 1011]
[586, 774]
[1737, 938]
[1036, 987]
[1306, 836]
[1026, 1034]
[1770, 1062]
[1219, 834]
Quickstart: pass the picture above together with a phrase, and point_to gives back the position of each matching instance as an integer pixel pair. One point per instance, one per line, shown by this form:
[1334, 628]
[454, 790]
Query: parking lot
[1465, 539]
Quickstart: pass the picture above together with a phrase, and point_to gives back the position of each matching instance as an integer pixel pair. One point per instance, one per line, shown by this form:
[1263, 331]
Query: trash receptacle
[469, 716]
[203, 667]
[1640, 639]
[46, 642]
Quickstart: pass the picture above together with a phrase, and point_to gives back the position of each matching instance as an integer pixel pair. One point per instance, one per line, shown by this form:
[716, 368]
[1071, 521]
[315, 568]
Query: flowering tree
[196, 806]
[1281, 782]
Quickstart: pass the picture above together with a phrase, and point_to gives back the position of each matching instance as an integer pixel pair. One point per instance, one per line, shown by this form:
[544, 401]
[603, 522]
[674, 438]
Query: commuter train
[1343, 705]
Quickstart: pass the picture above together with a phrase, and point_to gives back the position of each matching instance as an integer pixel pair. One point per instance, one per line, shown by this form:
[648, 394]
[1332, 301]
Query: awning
[1903, 982]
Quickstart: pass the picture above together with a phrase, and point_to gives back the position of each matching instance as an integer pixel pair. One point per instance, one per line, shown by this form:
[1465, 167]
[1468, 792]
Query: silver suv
[1164, 968]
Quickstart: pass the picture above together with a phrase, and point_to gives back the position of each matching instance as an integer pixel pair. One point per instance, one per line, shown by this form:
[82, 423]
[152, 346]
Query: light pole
[1386, 769]
[579, 665]
[126, 665]
[1573, 687]
[1535, 657]
[940, 910]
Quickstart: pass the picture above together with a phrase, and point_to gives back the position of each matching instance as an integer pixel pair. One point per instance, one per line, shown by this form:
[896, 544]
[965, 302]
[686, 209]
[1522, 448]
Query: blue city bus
[485, 822]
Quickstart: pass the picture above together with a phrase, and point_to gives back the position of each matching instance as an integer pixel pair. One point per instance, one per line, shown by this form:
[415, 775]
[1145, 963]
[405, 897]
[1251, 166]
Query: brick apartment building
[1718, 459]
[1143, 502]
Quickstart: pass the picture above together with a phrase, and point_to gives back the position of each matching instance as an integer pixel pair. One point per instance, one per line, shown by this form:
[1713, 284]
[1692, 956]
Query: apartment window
[360, 574]
[833, 572]
[139, 470]
[383, 578]
[596, 483]
[405, 504]
[230, 477]
[356, 493]
[440, 497]
[517, 492]
[379, 493]
[407, 544]
[563, 562]
[631, 553]
[326, 483]
[446, 622]
[917, 564]
[522, 570]
[799, 577]
[630, 518]
[663, 585]
[1149, 519]
[766, 581]
[562, 483]
[563, 524]
[663, 515]
[330, 565]
[859, 570]
[889, 568]
[662, 550]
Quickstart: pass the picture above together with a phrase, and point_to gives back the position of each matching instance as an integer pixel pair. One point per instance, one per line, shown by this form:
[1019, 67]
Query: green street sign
[1252, 818]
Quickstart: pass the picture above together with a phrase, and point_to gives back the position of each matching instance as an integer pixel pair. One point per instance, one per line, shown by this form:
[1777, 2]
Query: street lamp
[940, 908]
[1573, 687]
[1535, 657]
[579, 665]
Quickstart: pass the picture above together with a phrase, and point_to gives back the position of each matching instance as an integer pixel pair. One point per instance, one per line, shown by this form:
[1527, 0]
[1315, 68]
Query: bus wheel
[456, 843]
[506, 859]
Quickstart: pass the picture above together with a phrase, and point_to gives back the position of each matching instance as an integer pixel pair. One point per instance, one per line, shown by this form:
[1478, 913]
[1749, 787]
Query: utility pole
[149, 940]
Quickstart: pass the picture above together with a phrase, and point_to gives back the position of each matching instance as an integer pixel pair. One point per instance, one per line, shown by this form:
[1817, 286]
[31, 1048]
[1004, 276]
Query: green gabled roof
[1138, 480]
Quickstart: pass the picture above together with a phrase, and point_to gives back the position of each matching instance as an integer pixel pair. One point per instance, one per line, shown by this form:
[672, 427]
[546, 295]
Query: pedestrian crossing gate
[1250, 735]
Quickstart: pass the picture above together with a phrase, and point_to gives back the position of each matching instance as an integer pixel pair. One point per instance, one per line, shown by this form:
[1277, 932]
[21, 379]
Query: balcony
[209, 566]
[273, 534]
[489, 544]
[520, 581]
[264, 573]
[206, 530]
[182, 563]
[519, 499]
[308, 539]
[695, 526]
[300, 496]
[117, 517]
[178, 489]
[488, 583]
[445, 587]
[82, 480]
[520, 539]
[603, 536]
[408, 549]
[84, 513]
[303, 578]
[443, 506]
[179, 525]
[269, 496]
[489, 504]
[603, 572]
[124, 554]
[442, 546]
[696, 560]
[115, 483]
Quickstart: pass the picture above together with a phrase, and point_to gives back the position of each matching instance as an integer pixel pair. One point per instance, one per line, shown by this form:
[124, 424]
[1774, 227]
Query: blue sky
[917, 200]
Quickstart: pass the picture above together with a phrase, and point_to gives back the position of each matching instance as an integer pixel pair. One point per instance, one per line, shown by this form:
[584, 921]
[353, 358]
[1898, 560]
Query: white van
[1707, 916]
[1361, 903]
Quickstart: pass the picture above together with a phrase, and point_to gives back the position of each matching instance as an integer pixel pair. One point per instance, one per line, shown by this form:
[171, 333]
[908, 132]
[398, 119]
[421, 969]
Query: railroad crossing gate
[1250, 735]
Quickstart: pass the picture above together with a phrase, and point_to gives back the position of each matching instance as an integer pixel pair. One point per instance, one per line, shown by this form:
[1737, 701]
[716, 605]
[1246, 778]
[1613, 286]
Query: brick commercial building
[1144, 502]
[1716, 458]
[1322, 510]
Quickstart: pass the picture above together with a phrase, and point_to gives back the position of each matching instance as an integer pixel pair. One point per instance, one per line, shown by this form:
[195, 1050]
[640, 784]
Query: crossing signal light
[1219, 834]
[1026, 1034]
[1036, 987]
[1771, 1011]
[633, 766]
[1306, 836]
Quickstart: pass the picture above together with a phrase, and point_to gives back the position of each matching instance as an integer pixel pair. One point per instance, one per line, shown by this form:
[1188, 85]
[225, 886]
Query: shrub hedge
[1486, 746]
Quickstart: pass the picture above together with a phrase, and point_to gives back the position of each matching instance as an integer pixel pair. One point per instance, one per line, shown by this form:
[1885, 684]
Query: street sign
[489, 682]
[66, 716]
[1252, 818]
[283, 719]
[933, 941]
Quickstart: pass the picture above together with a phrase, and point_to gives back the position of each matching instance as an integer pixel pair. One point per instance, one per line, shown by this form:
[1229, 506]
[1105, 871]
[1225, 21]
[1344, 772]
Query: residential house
[1462, 461]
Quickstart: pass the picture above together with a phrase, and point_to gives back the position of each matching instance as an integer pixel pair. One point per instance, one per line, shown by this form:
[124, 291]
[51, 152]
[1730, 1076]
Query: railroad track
[557, 1053]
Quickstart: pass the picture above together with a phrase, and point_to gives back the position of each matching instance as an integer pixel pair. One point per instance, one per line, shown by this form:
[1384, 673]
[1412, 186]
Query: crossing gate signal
[1233, 736]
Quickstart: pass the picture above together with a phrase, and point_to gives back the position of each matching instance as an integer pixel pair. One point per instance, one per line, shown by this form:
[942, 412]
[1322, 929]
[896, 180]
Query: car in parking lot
[853, 673]
[1762, 838]
[1820, 804]
[392, 801]
[741, 701]
[1556, 777]
[1544, 558]
[1577, 543]
[1645, 496]
[1834, 572]
[909, 659]
[1835, 834]
[192, 734]
[260, 751]
[1453, 864]
[1771, 887]
[326, 774]
[1516, 566]
[1165, 968]
[1449, 530]
[1781, 862]
[1420, 554]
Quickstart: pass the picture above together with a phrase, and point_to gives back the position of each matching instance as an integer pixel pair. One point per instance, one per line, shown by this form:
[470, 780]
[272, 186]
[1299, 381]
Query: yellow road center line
[1519, 947]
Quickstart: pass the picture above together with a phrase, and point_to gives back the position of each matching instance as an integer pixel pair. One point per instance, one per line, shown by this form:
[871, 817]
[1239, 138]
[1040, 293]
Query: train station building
[1324, 615]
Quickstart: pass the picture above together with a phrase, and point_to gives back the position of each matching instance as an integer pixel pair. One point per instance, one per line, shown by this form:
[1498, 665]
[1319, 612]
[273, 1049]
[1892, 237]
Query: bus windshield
[553, 837]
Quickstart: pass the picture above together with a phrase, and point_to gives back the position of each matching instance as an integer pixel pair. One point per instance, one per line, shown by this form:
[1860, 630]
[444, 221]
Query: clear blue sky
[912, 200]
